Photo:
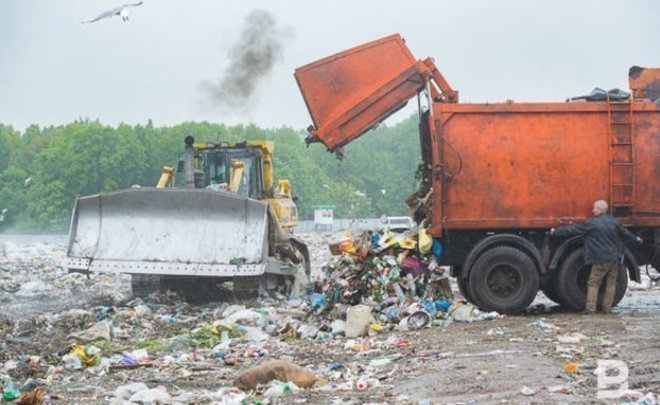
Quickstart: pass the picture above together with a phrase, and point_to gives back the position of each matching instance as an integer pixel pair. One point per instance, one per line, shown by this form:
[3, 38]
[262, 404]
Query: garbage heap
[392, 279]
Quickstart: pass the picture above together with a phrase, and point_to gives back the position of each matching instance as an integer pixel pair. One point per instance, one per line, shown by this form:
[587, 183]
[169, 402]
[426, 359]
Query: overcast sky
[53, 69]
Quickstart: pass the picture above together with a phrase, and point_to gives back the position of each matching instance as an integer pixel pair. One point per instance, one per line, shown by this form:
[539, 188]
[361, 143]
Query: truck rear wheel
[573, 278]
[503, 279]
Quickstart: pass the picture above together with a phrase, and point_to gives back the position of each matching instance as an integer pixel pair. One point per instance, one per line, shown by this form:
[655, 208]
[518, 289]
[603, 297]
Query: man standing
[603, 250]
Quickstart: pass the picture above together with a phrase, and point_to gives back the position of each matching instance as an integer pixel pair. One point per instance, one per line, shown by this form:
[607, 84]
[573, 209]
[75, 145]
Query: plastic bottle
[362, 384]
[10, 391]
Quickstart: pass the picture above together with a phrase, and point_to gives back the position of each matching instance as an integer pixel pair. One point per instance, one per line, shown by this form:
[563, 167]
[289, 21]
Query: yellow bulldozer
[226, 221]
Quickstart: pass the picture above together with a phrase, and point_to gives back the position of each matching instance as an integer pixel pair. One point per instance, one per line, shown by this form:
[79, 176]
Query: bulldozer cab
[237, 168]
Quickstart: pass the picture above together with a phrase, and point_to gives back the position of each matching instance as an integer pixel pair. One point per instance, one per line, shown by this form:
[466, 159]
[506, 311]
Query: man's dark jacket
[602, 238]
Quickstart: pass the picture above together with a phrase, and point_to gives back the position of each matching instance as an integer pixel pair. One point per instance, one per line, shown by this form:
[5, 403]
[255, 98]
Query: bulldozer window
[248, 187]
[217, 170]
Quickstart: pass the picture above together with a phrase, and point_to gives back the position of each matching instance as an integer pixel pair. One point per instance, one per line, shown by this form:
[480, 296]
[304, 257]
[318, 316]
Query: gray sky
[53, 69]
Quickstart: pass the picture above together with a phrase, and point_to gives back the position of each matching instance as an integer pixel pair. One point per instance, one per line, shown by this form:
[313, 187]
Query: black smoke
[258, 49]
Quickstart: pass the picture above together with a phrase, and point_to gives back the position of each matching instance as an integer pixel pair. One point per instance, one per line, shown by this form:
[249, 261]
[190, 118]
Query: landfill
[378, 322]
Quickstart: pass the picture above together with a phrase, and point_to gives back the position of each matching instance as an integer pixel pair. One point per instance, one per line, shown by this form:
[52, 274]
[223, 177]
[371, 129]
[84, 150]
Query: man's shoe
[586, 312]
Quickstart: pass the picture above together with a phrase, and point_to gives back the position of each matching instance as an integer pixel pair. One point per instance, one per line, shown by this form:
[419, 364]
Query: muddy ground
[512, 359]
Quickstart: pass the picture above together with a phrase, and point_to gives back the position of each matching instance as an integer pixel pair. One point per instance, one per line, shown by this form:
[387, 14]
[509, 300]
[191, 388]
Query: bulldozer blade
[177, 232]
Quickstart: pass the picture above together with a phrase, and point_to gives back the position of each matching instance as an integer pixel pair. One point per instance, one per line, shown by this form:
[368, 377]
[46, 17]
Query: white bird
[122, 11]
[27, 181]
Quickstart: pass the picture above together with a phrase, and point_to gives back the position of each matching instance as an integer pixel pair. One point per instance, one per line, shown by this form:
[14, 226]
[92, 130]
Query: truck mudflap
[169, 232]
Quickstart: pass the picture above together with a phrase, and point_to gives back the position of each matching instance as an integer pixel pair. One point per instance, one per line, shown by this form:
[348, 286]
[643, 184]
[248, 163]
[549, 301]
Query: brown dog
[280, 370]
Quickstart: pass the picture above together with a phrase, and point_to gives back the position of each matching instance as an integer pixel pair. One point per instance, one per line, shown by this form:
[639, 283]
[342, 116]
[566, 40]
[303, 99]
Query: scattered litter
[558, 389]
[358, 319]
[573, 338]
[362, 384]
[640, 398]
[380, 362]
[10, 391]
[277, 389]
[571, 367]
[370, 312]
[34, 397]
[541, 323]
[151, 396]
[466, 312]
[100, 331]
[418, 320]
[124, 392]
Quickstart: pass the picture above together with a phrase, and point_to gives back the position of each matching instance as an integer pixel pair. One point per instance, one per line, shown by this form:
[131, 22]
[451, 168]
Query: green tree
[13, 196]
[86, 157]
[9, 140]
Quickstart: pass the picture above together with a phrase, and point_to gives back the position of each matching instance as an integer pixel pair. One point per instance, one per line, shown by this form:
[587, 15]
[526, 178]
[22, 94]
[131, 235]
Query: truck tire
[551, 286]
[550, 291]
[144, 284]
[463, 287]
[573, 277]
[503, 279]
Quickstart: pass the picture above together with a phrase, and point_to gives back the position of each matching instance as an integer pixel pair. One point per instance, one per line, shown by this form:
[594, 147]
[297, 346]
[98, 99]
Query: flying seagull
[121, 11]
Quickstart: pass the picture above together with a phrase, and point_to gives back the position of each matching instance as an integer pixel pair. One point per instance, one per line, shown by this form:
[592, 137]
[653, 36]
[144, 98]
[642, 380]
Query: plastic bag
[425, 242]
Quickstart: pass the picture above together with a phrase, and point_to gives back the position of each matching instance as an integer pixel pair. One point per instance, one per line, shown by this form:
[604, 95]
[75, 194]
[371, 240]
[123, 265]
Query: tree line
[43, 169]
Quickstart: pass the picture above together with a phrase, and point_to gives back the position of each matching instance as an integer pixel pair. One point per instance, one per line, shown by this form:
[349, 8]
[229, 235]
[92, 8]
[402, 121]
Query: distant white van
[399, 224]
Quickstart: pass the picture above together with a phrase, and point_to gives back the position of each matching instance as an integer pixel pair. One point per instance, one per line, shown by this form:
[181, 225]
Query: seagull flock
[121, 11]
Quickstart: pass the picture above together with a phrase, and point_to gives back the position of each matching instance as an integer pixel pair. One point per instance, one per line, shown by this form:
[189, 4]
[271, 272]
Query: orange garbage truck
[497, 176]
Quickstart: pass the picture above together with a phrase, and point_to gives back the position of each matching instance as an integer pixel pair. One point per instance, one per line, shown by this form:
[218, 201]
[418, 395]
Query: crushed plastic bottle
[10, 392]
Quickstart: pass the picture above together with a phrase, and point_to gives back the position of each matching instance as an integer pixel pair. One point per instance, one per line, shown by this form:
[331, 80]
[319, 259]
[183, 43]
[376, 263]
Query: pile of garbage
[70, 338]
[396, 277]
[162, 338]
[64, 334]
